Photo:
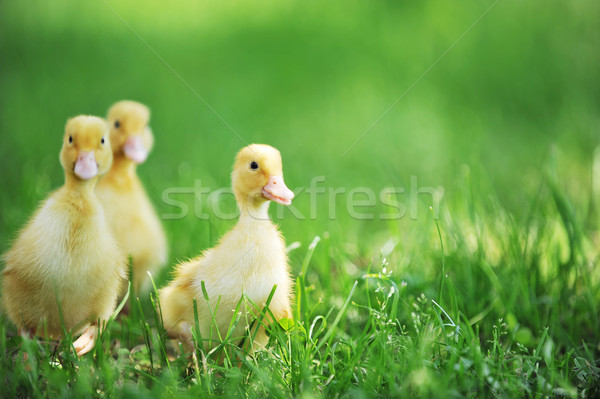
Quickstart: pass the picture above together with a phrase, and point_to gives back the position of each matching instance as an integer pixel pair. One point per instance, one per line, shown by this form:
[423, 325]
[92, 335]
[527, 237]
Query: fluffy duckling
[129, 211]
[65, 262]
[250, 259]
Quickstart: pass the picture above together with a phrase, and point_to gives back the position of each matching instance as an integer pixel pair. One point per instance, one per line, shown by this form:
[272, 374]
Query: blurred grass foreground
[489, 107]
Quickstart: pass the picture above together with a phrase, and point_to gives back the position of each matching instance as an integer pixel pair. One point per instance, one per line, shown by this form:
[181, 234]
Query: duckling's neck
[72, 183]
[122, 167]
[254, 211]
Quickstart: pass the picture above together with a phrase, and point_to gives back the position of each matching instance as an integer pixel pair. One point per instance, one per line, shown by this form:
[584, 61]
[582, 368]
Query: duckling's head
[258, 177]
[130, 135]
[86, 151]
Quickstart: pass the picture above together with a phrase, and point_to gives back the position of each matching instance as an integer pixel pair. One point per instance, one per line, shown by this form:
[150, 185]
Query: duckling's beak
[134, 149]
[85, 165]
[277, 191]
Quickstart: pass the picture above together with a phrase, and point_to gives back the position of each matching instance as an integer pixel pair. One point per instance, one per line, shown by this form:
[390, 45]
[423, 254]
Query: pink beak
[135, 150]
[86, 166]
[277, 191]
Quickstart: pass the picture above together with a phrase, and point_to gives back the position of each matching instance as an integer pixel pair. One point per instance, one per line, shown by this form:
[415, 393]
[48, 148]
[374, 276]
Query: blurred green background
[308, 78]
[495, 104]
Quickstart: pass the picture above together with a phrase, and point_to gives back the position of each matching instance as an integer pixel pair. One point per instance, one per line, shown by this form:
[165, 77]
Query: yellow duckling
[129, 211]
[66, 257]
[250, 259]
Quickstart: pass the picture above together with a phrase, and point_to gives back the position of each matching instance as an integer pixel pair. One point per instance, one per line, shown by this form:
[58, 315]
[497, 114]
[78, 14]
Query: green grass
[498, 296]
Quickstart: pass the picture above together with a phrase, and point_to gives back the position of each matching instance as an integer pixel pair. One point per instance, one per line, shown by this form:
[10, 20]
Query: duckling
[65, 263]
[129, 211]
[250, 259]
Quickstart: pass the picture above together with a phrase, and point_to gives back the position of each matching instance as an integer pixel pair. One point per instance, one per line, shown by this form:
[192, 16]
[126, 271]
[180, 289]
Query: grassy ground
[498, 296]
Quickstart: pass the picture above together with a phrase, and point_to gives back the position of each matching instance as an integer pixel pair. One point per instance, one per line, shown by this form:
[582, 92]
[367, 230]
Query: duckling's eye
[102, 140]
[253, 165]
[117, 124]
[70, 139]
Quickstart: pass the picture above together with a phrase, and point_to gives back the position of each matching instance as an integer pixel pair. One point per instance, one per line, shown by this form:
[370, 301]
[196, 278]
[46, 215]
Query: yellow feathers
[66, 255]
[129, 211]
[72, 254]
[250, 259]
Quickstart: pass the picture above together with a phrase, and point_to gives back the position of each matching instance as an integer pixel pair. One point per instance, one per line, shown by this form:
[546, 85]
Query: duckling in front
[65, 262]
[248, 261]
[129, 211]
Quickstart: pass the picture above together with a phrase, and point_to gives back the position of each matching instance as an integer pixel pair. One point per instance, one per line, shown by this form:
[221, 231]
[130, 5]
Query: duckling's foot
[185, 331]
[86, 341]
[27, 332]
